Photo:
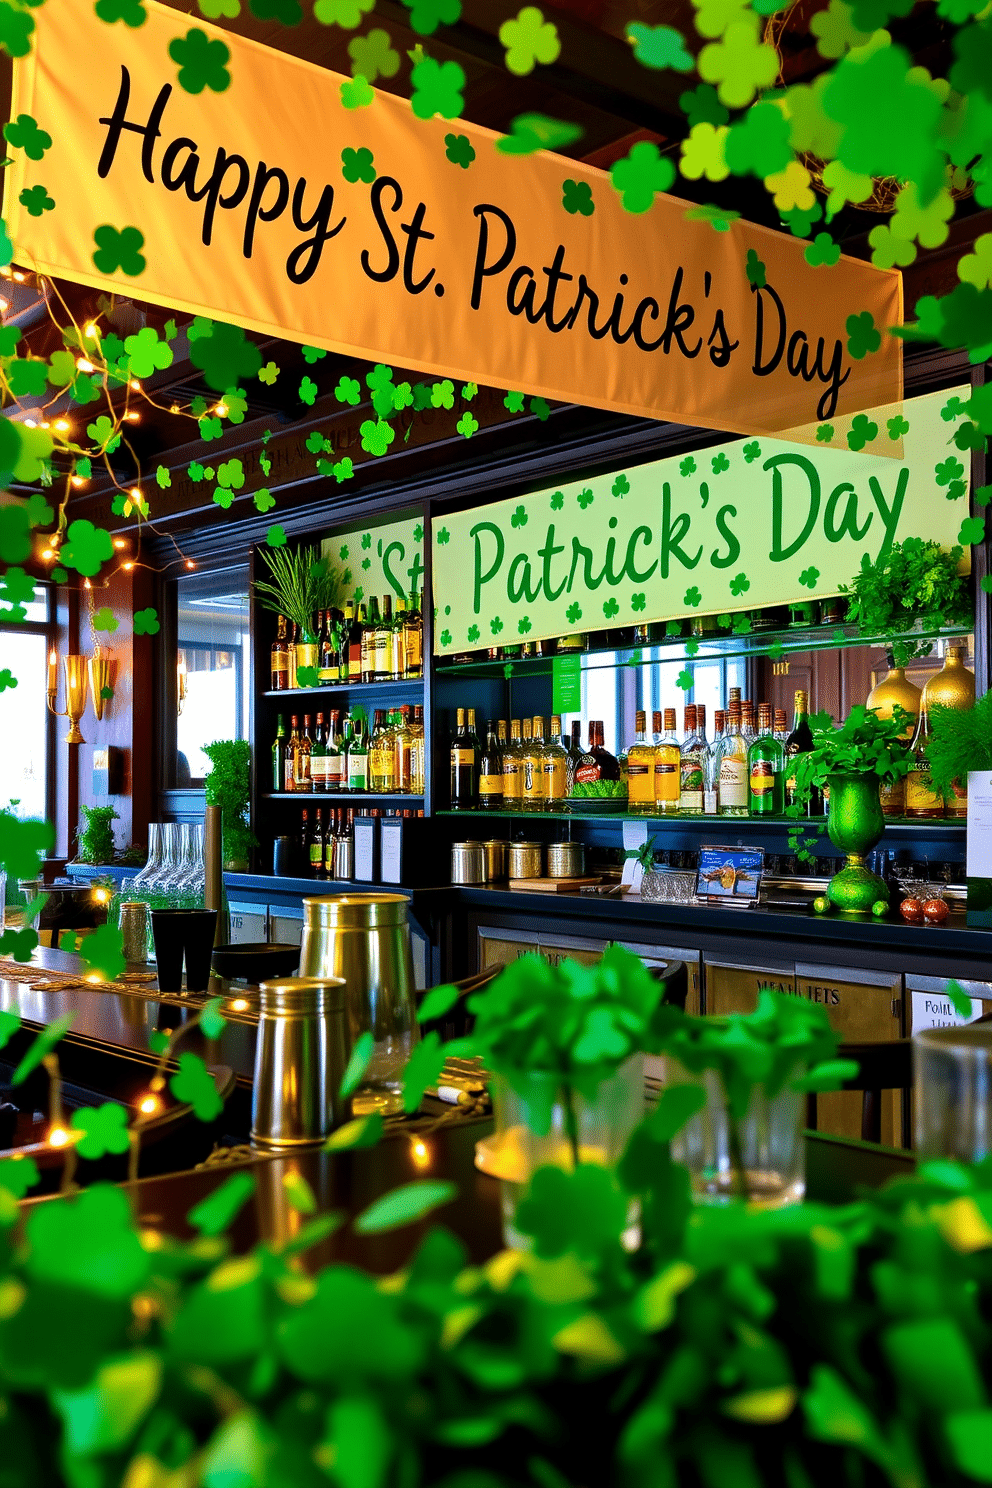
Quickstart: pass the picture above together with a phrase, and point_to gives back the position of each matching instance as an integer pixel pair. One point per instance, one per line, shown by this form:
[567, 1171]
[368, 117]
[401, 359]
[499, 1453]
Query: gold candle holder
[76, 682]
[101, 676]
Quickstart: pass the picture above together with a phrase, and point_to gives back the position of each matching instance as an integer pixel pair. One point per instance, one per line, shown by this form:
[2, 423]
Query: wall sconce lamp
[76, 682]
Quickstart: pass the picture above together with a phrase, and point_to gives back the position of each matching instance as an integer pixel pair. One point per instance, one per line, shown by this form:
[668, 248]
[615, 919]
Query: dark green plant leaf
[212, 1215]
[357, 1065]
[405, 1205]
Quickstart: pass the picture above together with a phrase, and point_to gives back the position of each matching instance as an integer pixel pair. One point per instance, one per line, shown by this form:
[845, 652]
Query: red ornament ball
[912, 911]
[935, 911]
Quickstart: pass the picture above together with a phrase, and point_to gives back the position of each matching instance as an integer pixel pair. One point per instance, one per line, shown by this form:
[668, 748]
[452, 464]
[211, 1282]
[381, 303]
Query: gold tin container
[495, 854]
[301, 1052]
[468, 863]
[525, 860]
[365, 939]
[566, 859]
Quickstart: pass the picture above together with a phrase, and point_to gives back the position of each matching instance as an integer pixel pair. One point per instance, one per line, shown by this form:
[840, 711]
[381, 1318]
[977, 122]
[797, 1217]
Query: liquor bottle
[382, 640]
[334, 759]
[356, 624]
[640, 770]
[358, 758]
[317, 846]
[554, 766]
[473, 736]
[382, 756]
[330, 842]
[329, 665]
[301, 763]
[574, 754]
[692, 764]
[318, 757]
[766, 769]
[711, 789]
[403, 751]
[464, 768]
[922, 801]
[368, 641]
[747, 722]
[414, 639]
[397, 642]
[304, 854]
[292, 655]
[597, 763]
[280, 658]
[418, 761]
[491, 772]
[800, 741]
[292, 745]
[578, 640]
[667, 769]
[733, 766]
[279, 747]
[532, 797]
[513, 778]
[779, 730]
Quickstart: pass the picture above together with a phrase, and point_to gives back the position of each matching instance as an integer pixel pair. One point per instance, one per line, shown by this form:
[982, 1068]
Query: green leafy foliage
[228, 785]
[913, 579]
[960, 740]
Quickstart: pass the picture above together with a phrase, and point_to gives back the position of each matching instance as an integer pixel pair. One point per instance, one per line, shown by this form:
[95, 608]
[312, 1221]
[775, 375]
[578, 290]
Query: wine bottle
[464, 767]
[279, 681]
[766, 769]
[491, 772]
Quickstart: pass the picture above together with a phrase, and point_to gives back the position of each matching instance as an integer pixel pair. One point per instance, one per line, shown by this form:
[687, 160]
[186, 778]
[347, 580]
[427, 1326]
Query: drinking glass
[952, 1088]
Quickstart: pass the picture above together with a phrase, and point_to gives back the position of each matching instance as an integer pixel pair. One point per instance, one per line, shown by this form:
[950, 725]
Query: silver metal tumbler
[302, 1051]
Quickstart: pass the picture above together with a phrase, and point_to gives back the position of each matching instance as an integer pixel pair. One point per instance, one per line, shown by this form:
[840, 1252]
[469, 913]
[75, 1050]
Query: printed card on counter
[730, 874]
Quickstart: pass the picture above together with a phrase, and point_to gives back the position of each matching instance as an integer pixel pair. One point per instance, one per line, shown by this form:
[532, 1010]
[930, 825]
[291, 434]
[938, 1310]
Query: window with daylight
[213, 653]
[24, 717]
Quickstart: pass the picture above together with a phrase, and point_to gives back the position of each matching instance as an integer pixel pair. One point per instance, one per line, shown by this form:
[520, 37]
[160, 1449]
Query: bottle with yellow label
[640, 770]
[667, 769]
[922, 800]
[513, 777]
[532, 797]
[554, 765]
[464, 767]
[491, 772]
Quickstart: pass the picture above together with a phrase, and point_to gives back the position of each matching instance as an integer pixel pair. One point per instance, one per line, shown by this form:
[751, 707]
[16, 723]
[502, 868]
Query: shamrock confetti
[36, 201]
[659, 46]
[202, 62]
[459, 150]
[230, 9]
[437, 89]
[308, 392]
[687, 466]
[358, 165]
[824, 433]
[754, 269]
[862, 336]
[720, 463]
[640, 175]
[791, 187]
[87, 548]
[972, 531]
[576, 197]
[27, 377]
[739, 584]
[24, 134]
[119, 250]
[739, 65]
[759, 144]
[225, 356]
[427, 15]
[809, 577]
[897, 427]
[373, 55]
[268, 374]
[104, 619]
[276, 536]
[702, 106]
[131, 12]
[532, 132]
[973, 268]
[104, 1130]
[346, 13]
[264, 500]
[101, 949]
[889, 116]
[348, 390]
[211, 428]
[620, 486]
[948, 470]
[703, 153]
[443, 394]
[692, 597]
[528, 40]
[822, 251]
[16, 27]
[146, 622]
[467, 425]
[147, 353]
[377, 435]
[307, 676]
[834, 31]
[800, 222]
[752, 452]
[585, 498]
[343, 470]
[357, 93]
[742, 624]
[861, 432]
[194, 1084]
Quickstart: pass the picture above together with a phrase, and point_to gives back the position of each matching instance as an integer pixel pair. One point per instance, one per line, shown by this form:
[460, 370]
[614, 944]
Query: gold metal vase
[101, 669]
[76, 683]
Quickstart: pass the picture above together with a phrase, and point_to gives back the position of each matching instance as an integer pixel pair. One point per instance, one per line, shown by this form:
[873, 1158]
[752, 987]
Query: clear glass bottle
[733, 766]
[292, 745]
[667, 769]
[418, 763]
[554, 766]
[464, 767]
[403, 749]
[711, 790]
[640, 770]
[692, 764]
[922, 801]
[369, 631]
[747, 722]
[301, 760]
[780, 729]
[513, 779]
[491, 772]
[766, 769]
[329, 662]
[532, 797]
[318, 757]
[279, 677]
[382, 757]
[334, 761]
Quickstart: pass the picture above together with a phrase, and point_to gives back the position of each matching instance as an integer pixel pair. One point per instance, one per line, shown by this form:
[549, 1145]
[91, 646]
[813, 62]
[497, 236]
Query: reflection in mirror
[212, 666]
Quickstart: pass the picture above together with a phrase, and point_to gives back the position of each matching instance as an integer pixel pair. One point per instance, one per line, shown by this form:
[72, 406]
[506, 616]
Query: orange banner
[455, 259]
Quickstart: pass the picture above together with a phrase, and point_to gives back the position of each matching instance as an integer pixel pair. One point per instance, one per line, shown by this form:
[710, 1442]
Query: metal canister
[301, 1052]
[365, 939]
[566, 859]
[468, 863]
[134, 930]
[344, 858]
[495, 859]
[525, 860]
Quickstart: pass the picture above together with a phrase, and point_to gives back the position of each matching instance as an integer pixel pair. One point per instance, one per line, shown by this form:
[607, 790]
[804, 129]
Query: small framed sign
[731, 875]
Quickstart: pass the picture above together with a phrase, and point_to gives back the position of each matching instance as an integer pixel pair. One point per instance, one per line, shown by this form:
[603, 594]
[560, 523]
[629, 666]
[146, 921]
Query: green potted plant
[228, 786]
[96, 839]
[914, 581]
[302, 583]
[852, 761]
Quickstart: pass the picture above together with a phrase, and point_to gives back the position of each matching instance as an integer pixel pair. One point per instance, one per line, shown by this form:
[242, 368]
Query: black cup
[283, 857]
[176, 931]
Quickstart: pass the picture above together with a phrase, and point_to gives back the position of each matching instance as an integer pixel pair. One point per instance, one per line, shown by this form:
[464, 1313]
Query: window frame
[49, 629]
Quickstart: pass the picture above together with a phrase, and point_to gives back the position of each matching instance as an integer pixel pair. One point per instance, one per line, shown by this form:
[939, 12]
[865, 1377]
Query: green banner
[566, 684]
[733, 527]
[378, 560]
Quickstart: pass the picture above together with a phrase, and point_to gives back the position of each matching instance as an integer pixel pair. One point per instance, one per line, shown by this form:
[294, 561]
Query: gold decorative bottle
[953, 687]
[895, 690]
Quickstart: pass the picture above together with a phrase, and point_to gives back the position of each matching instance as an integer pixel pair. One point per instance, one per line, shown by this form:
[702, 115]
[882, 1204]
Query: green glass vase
[855, 823]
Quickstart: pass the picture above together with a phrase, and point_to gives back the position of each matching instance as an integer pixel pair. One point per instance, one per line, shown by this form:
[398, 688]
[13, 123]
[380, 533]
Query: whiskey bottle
[532, 797]
[418, 764]
[293, 744]
[397, 642]
[491, 772]
[279, 681]
[800, 741]
[403, 751]
[667, 769]
[382, 756]
[369, 630]
[301, 763]
[329, 664]
[414, 639]
[464, 767]
[554, 766]
[640, 770]
[922, 801]
[382, 641]
[513, 779]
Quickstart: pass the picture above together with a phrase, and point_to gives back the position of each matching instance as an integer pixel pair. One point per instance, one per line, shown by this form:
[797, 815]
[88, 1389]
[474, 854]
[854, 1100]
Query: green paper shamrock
[529, 39]
[759, 144]
[692, 597]
[585, 498]
[687, 466]
[523, 625]
[576, 196]
[446, 638]
[532, 132]
[105, 619]
[809, 577]
[377, 436]
[740, 65]
[27, 377]
[104, 1130]
[834, 31]
[742, 625]
[437, 89]
[862, 336]
[87, 548]
[211, 428]
[968, 436]
[357, 165]
[38, 510]
[800, 220]
[225, 356]
[640, 175]
[752, 452]
[234, 405]
[307, 676]
[972, 531]
[427, 15]
[316, 443]
[824, 433]
[348, 390]
[345, 13]
[973, 268]
[194, 1085]
[195, 471]
[703, 153]
[198, 405]
[202, 62]
[823, 251]
[356, 93]
[702, 106]
[276, 537]
[983, 495]
[61, 367]
[18, 1174]
[131, 12]
[343, 470]
[638, 601]
[754, 269]
[268, 374]
[15, 30]
[659, 46]
[684, 679]
[146, 622]
[541, 409]
[897, 427]
[519, 517]
[610, 608]
[459, 150]
[467, 425]
[17, 587]
[24, 134]
[739, 584]
[443, 394]
[714, 16]
[720, 463]
[86, 389]
[948, 470]
[889, 116]
[373, 55]
[101, 949]
[308, 392]
[231, 474]
[264, 500]
[147, 353]
[7, 679]
[514, 401]
[36, 201]
[10, 336]
[861, 432]
[18, 943]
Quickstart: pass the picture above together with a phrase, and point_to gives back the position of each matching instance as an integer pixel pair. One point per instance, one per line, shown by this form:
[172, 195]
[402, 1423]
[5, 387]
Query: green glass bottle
[766, 769]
